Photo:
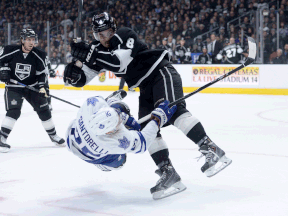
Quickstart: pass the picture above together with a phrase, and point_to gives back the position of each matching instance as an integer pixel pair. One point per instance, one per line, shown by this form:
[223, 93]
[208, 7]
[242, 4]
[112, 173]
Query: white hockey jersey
[85, 144]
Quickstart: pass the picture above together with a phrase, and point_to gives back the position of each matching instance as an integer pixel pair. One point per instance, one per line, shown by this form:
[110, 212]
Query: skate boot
[57, 140]
[169, 182]
[215, 157]
[4, 147]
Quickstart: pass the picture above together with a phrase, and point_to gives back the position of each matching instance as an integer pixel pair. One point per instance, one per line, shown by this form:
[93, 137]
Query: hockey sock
[9, 121]
[190, 126]
[160, 156]
[47, 122]
[196, 133]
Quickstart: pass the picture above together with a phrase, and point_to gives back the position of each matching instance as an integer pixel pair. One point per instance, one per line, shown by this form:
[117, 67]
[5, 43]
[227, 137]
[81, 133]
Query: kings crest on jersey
[83, 142]
[128, 57]
[29, 69]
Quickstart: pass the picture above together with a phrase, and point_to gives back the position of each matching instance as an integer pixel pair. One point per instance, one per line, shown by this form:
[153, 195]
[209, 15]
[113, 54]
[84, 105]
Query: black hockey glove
[5, 74]
[72, 73]
[52, 73]
[84, 52]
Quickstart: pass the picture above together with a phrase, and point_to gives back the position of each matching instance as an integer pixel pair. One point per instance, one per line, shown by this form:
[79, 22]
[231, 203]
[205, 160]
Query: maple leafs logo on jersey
[92, 101]
[124, 143]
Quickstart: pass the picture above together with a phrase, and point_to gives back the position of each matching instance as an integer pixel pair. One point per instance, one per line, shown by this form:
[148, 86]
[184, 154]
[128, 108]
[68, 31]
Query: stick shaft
[36, 90]
[147, 117]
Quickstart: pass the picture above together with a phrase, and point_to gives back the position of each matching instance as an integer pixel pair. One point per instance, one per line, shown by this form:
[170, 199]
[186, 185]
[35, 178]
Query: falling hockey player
[25, 63]
[99, 135]
[121, 51]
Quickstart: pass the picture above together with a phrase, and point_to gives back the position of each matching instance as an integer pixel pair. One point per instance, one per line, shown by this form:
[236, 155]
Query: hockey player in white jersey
[99, 136]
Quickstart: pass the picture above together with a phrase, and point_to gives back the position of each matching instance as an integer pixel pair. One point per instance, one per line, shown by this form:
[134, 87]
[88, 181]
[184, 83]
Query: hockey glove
[43, 92]
[52, 73]
[84, 52]
[162, 114]
[121, 106]
[130, 122]
[5, 74]
[79, 50]
[72, 73]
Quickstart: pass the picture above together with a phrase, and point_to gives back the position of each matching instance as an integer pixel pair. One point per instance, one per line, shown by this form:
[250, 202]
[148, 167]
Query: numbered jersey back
[232, 53]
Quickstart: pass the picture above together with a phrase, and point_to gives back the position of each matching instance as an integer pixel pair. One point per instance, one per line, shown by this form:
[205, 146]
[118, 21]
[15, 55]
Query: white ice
[37, 178]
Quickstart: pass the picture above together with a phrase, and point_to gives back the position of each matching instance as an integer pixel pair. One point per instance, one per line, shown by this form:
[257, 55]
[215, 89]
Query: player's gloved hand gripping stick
[250, 60]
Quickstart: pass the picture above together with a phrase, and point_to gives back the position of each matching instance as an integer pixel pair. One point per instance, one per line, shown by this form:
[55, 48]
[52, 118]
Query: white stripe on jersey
[150, 70]
[9, 53]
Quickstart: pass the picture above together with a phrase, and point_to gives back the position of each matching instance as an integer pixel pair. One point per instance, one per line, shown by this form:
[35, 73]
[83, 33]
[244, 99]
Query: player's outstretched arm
[160, 116]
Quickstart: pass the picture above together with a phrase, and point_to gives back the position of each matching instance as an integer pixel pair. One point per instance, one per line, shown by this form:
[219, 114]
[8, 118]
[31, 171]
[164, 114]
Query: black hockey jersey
[204, 59]
[168, 48]
[183, 54]
[29, 69]
[128, 57]
[232, 53]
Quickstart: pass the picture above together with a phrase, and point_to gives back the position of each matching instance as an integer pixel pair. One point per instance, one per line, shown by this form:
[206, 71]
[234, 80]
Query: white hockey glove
[43, 92]
[162, 114]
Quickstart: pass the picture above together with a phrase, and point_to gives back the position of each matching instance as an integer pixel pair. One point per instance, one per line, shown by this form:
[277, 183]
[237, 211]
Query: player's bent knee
[186, 122]
[44, 115]
[14, 113]
[158, 145]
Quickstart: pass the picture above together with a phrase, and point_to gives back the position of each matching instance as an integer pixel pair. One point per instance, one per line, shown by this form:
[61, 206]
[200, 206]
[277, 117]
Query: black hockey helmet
[102, 22]
[26, 33]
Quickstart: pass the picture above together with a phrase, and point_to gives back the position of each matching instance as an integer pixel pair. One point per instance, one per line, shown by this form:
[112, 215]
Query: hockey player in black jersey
[167, 47]
[230, 54]
[204, 58]
[26, 64]
[182, 53]
[123, 53]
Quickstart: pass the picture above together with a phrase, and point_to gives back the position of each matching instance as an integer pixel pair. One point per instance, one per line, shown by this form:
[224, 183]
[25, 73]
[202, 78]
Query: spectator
[285, 53]
[280, 59]
[215, 47]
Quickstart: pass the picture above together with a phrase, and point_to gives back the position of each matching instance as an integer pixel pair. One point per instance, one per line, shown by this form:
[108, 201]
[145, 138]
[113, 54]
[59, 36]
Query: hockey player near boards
[101, 130]
[232, 53]
[26, 64]
[167, 47]
[182, 53]
[204, 58]
[123, 53]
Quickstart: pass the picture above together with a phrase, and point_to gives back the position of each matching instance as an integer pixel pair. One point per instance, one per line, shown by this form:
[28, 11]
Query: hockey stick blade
[120, 94]
[250, 60]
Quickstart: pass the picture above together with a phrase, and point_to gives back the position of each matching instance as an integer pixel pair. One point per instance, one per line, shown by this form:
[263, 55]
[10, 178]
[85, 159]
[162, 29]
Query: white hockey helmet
[106, 120]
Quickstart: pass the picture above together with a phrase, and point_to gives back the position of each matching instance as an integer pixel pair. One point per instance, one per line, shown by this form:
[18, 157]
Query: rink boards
[256, 79]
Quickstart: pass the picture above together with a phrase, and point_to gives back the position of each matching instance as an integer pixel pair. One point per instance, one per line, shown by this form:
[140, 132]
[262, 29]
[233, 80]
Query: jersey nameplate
[22, 71]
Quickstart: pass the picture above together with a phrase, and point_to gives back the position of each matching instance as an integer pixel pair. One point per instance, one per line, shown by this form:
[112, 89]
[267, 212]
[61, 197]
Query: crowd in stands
[157, 22]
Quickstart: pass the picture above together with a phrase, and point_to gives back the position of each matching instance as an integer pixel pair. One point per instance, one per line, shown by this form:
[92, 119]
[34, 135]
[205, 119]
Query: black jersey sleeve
[125, 45]
[41, 66]
[6, 53]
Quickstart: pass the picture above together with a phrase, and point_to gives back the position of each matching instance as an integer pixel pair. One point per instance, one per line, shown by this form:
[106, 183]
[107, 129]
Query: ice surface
[37, 178]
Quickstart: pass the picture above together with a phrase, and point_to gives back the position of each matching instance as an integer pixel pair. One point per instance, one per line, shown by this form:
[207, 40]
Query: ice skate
[57, 140]
[215, 157]
[169, 182]
[4, 147]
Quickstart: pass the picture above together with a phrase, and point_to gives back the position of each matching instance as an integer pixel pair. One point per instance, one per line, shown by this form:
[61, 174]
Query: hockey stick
[36, 90]
[250, 60]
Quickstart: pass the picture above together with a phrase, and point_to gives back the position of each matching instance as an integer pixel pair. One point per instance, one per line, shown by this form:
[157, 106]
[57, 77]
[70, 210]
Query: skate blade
[224, 162]
[174, 189]
[60, 145]
[4, 150]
